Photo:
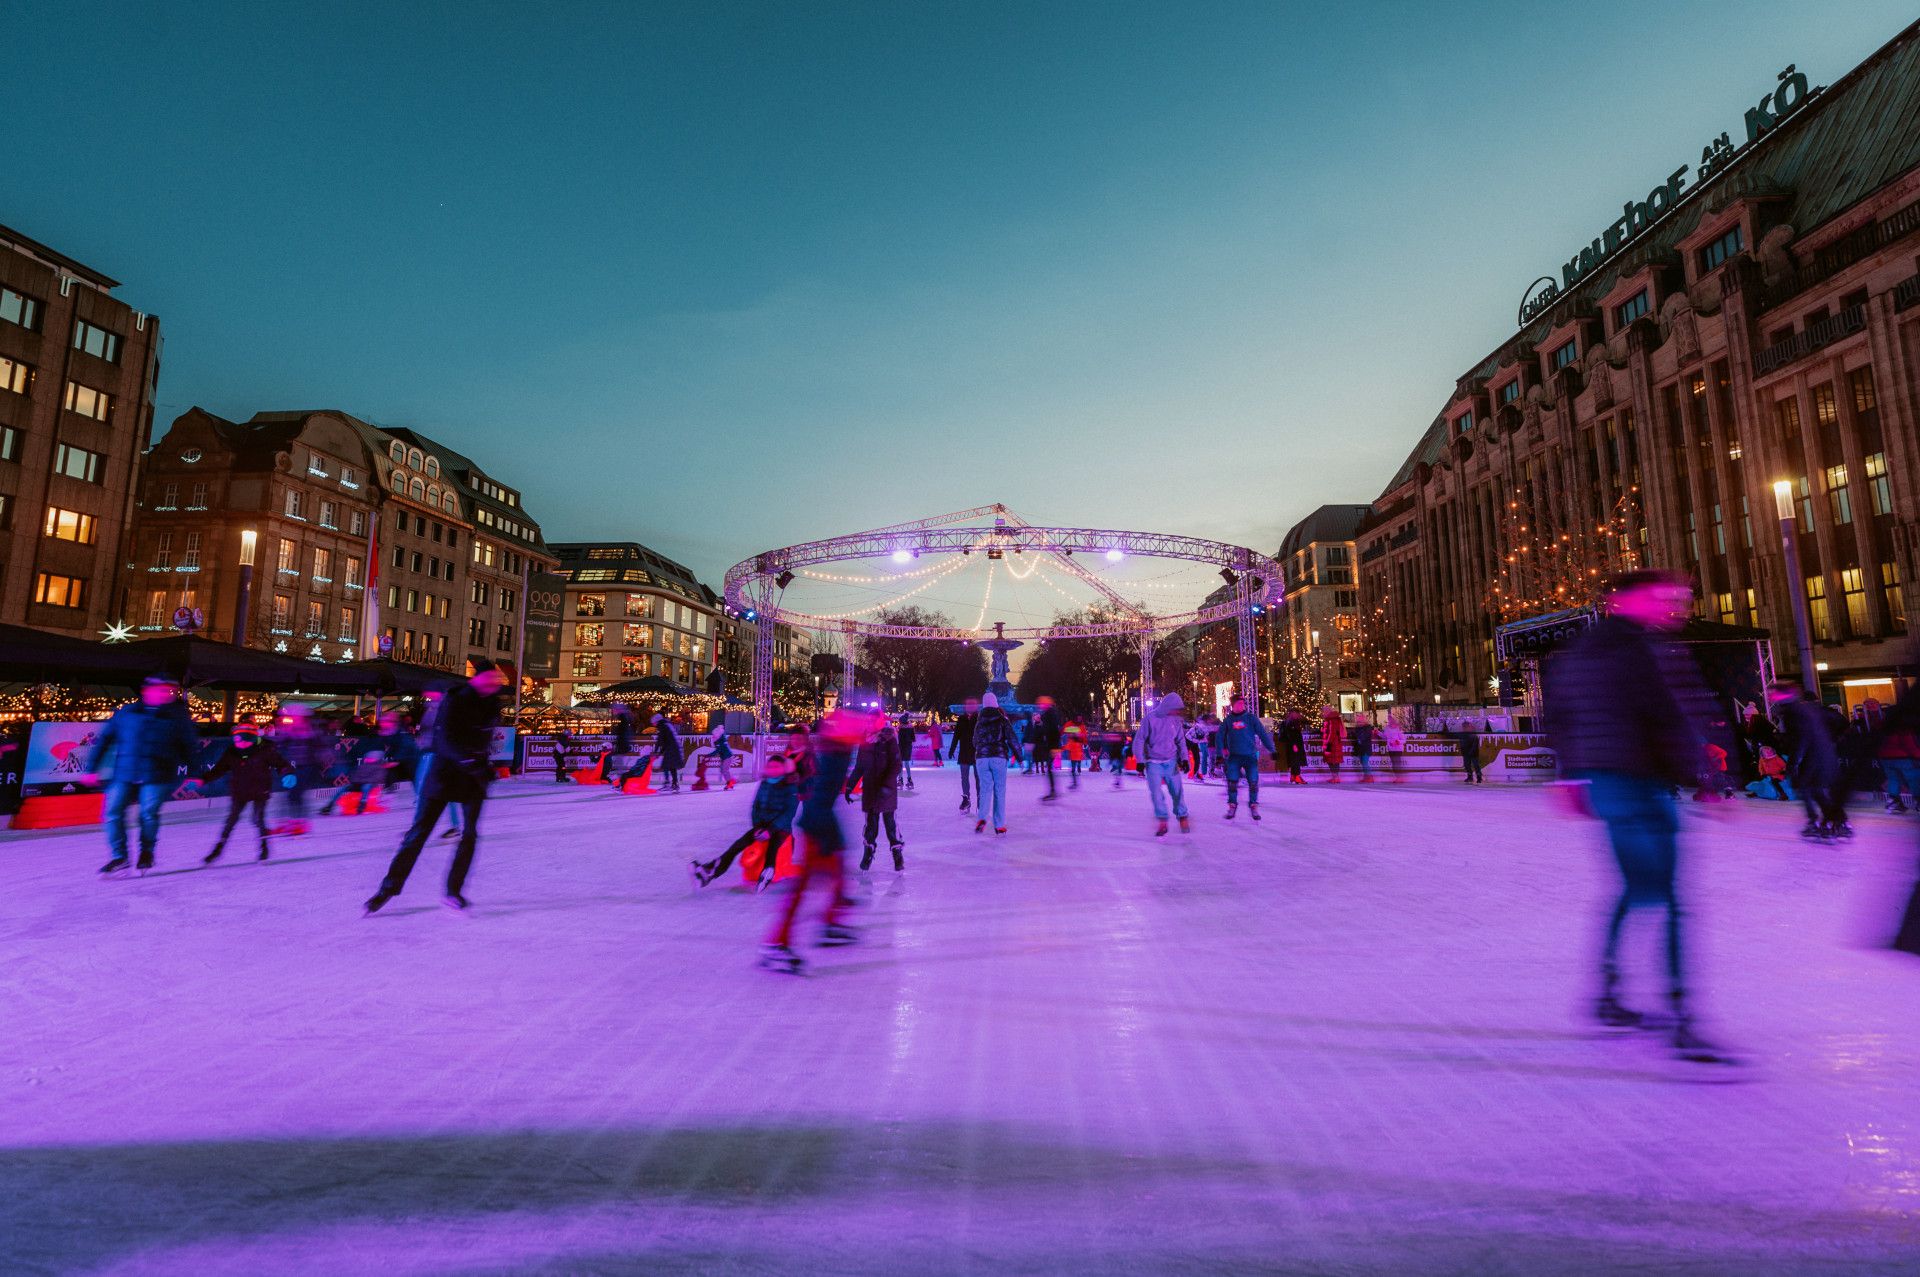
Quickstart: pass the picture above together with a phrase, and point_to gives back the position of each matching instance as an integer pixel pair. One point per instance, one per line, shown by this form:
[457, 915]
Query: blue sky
[721, 277]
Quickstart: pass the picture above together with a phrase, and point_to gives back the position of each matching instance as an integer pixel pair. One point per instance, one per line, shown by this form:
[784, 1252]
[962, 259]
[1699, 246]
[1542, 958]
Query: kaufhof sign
[1638, 216]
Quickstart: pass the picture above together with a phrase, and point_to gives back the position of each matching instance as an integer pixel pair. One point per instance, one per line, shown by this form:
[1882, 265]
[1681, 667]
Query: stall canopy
[381, 675]
[637, 689]
[32, 656]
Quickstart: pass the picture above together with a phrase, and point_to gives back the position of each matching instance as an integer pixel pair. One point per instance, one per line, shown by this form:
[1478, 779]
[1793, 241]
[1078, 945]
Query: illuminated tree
[1542, 570]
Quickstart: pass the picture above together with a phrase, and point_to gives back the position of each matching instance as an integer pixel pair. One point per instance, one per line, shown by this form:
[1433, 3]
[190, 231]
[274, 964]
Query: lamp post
[1796, 588]
[243, 599]
[1316, 666]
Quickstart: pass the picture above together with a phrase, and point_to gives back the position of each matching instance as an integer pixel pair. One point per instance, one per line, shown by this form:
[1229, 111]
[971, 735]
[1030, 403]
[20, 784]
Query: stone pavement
[1346, 1040]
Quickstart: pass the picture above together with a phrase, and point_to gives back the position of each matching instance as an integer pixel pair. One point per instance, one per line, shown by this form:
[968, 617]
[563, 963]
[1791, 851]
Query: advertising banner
[57, 753]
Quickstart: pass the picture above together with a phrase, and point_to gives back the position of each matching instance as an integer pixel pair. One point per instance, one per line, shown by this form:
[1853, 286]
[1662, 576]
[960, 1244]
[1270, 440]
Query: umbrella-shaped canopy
[201, 662]
[382, 675]
[34, 656]
[637, 689]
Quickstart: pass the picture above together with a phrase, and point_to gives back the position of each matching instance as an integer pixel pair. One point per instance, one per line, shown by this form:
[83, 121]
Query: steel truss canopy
[755, 584]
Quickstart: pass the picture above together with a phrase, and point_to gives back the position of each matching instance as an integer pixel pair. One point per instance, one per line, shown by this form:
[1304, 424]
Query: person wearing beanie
[252, 767]
[994, 747]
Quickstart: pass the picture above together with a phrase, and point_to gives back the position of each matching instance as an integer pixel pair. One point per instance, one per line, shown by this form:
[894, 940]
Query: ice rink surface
[1348, 1040]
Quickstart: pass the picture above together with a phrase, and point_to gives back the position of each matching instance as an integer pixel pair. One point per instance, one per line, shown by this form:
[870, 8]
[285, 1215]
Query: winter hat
[989, 701]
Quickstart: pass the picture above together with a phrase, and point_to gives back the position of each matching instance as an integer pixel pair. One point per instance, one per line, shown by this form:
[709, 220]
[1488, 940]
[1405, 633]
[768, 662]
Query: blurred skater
[141, 756]
[1627, 727]
[1044, 734]
[252, 768]
[1073, 743]
[821, 841]
[1333, 742]
[1813, 761]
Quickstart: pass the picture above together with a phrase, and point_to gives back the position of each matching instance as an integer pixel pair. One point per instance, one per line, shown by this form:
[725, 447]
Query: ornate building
[631, 613]
[1759, 324]
[78, 368]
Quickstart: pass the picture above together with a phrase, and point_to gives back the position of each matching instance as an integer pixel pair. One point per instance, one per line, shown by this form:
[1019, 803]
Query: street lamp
[1316, 667]
[1796, 588]
[243, 599]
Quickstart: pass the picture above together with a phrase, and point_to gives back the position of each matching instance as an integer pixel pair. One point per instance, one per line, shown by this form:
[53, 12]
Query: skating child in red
[821, 842]
[774, 805]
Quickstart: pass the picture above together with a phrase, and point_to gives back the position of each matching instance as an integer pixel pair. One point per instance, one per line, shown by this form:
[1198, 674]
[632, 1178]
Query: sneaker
[456, 902]
[376, 902]
[777, 957]
[1253, 810]
[836, 935]
[114, 866]
[1231, 808]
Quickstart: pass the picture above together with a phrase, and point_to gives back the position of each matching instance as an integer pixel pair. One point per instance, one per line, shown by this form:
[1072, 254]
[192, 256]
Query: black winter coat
[1813, 760]
[878, 770]
[251, 773]
[993, 736]
[1618, 699]
[962, 743]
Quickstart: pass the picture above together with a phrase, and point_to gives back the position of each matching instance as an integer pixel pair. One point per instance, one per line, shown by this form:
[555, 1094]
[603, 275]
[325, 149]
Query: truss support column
[1146, 672]
[846, 660]
[763, 676]
[1249, 684]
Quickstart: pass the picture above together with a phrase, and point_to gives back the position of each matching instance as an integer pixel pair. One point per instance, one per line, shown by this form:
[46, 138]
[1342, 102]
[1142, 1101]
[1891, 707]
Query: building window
[323, 565]
[480, 592]
[1896, 598]
[296, 504]
[357, 523]
[1510, 392]
[1721, 249]
[85, 401]
[288, 559]
[71, 525]
[586, 664]
[1719, 533]
[686, 645]
[15, 376]
[476, 631]
[1853, 593]
[1803, 497]
[503, 637]
[329, 515]
[316, 618]
[633, 666]
[349, 477]
[1817, 609]
[589, 634]
[1863, 397]
[9, 444]
[1463, 423]
[197, 498]
[79, 463]
[636, 636]
[97, 342]
[590, 605]
[190, 557]
[413, 600]
[1879, 486]
[1629, 310]
[282, 613]
[1564, 355]
[639, 605]
[1837, 497]
[399, 556]
[163, 552]
[18, 308]
[55, 590]
[156, 609]
[349, 632]
[398, 451]
[506, 600]
[1724, 605]
[415, 561]
[356, 572]
[1746, 525]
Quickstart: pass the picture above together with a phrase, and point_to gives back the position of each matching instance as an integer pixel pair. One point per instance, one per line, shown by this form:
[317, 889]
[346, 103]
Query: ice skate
[265, 850]
[1608, 1010]
[450, 833]
[1253, 810]
[779, 958]
[145, 862]
[697, 873]
[376, 902]
[766, 880]
[866, 858]
[1160, 831]
[1843, 831]
[1814, 831]
[836, 935]
[213, 855]
[456, 902]
[899, 850]
[1231, 808]
[114, 866]
[1688, 1045]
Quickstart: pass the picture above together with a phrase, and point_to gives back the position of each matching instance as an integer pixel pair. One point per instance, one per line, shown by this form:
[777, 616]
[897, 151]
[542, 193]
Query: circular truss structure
[755, 587]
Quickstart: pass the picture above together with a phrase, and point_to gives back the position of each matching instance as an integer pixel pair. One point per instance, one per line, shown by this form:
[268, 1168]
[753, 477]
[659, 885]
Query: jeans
[1643, 828]
[420, 779]
[1162, 777]
[966, 783]
[1203, 761]
[992, 778]
[813, 863]
[1238, 766]
[873, 829]
[445, 786]
[906, 767]
[1902, 772]
[1365, 763]
[120, 795]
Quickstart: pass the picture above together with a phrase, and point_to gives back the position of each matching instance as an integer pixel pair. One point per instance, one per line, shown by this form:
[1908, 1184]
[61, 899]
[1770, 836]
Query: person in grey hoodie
[1160, 745]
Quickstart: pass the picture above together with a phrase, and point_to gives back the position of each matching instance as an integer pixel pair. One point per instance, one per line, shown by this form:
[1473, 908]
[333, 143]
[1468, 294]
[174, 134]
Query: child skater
[774, 805]
[252, 767]
[821, 841]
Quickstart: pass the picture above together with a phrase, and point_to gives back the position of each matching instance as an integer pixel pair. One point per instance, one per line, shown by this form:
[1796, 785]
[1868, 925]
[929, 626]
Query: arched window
[450, 505]
[433, 494]
[415, 461]
[397, 480]
[398, 451]
[433, 467]
[416, 489]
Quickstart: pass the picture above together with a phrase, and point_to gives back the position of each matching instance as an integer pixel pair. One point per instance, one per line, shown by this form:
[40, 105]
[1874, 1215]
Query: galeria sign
[1636, 216]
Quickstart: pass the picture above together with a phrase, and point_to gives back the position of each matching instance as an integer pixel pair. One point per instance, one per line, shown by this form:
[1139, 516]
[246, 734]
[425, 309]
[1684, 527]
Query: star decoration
[117, 632]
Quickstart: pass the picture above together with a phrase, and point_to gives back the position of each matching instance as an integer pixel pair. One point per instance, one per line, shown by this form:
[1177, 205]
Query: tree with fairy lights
[1542, 570]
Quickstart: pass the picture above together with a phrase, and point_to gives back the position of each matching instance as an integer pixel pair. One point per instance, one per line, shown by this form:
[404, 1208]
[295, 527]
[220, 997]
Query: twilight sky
[720, 277]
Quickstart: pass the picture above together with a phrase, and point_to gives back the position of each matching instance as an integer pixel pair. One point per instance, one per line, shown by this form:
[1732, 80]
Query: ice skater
[1241, 738]
[960, 748]
[722, 753]
[252, 768]
[907, 737]
[994, 748]
[666, 749]
[821, 842]
[1361, 737]
[1159, 745]
[1293, 745]
[1073, 743]
[142, 755]
[877, 769]
[1813, 760]
[1117, 755]
[460, 771]
[1044, 736]
[1624, 725]
[774, 805]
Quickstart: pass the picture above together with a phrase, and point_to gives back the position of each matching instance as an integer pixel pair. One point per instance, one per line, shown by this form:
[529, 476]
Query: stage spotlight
[1226, 574]
[783, 580]
[1115, 555]
[902, 556]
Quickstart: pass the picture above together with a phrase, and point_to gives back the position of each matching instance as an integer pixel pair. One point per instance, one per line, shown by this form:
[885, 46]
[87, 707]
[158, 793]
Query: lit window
[1837, 497]
[636, 635]
[71, 525]
[589, 634]
[1879, 485]
[1817, 608]
[322, 564]
[1896, 598]
[316, 618]
[88, 402]
[55, 590]
[349, 631]
[15, 376]
[1853, 593]
[590, 605]
[329, 513]
[356, 573]
[639, 605]
[586, 664]
[97, 342]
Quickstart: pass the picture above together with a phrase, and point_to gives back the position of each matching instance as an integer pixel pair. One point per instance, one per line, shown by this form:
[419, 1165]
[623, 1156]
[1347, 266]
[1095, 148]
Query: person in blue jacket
[142, 755]
[1240, 740]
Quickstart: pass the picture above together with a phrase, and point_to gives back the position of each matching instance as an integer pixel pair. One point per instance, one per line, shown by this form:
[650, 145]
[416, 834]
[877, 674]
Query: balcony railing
[1842, 253]
[1906, 293]
[1812, 338]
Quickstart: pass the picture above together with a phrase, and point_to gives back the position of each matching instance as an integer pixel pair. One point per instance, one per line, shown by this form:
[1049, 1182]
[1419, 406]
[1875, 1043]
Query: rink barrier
[59, 811]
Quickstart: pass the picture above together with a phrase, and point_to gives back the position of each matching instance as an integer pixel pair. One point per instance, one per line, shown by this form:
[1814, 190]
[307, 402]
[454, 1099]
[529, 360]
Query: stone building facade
[631, 613]
[78, 369]
[1759, 325]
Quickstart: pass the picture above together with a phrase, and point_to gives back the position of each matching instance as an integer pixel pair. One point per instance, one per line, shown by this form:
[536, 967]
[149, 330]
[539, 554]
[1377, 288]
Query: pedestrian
[141, 756]
[1293, 745]
[1242, 736]
[1813, 761]
[1361, 738]
[461, 768]
[1159, 745]
[722, 750]
[1467, 737]
[1623, 706]
[1045, 738]
[961, 749]
[309, 752]
[994, 748]
[774, 804]
[877, 768]
[252, 767]
[1903, 720]
[1900, 760]
[1333, 742]
[821, 841]
[908, 735]
[562, 742]
[1073, 743]
[666, 750]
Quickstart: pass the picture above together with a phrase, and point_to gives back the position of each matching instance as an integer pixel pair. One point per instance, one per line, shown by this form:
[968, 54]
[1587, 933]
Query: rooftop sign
[1638, 216]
